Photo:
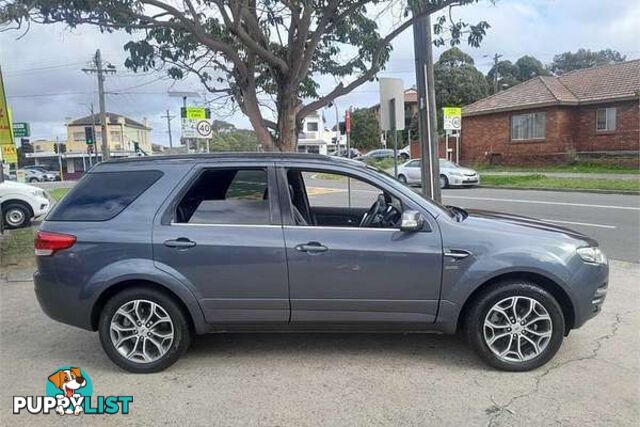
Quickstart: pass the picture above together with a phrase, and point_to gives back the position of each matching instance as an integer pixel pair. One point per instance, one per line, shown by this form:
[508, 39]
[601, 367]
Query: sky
[45, 83]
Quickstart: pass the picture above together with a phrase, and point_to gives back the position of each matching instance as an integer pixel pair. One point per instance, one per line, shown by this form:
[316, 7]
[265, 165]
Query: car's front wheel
[515, 326]
[16, 215]
[402, 179]
[444, 182]
[143, 330]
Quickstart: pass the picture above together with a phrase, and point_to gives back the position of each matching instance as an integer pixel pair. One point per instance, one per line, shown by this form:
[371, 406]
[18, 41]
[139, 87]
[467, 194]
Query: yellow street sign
[452, 118]
[9, 153]
[196, 113]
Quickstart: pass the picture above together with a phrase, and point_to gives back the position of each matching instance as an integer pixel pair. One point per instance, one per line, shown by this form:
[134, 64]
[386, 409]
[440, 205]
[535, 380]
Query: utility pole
[427, 124]
[101, 71]
[496, 58]
[169, 118]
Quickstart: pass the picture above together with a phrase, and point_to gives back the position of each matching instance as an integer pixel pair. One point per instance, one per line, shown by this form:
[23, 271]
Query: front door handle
[311, 247]
[180, 243]
[457, 253]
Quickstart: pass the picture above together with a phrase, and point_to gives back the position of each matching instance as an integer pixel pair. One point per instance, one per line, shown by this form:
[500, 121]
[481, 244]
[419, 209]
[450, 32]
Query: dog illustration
[68, 380]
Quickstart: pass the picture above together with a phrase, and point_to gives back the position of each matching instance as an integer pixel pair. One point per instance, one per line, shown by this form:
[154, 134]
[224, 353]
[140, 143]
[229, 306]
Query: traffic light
[89, 137]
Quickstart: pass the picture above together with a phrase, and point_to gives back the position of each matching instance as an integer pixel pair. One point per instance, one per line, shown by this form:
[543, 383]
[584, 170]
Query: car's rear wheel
[16, 215]
[143, 330]
[515, 326]
[444, 182]
[34, 180]
[402, 179]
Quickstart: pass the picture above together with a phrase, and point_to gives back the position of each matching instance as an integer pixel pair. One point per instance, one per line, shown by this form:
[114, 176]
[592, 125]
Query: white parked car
[21, 203]
[37, 175]
[451, 174]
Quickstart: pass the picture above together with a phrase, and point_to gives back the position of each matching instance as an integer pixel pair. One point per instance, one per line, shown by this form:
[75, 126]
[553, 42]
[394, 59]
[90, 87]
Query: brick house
[591, 113]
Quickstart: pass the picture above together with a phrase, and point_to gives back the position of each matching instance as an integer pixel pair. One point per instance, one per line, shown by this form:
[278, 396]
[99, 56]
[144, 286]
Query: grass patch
[581, 167]
[541, 181]
[16, 247]
[59, 193]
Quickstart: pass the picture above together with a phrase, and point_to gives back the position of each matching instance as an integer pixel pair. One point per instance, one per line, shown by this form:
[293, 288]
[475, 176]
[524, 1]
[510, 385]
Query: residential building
[586, 113]
[123, 133]
[314, 136]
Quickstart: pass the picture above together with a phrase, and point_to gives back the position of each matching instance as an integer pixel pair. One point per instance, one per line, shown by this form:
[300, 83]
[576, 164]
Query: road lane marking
[540, 202]
[586, 224]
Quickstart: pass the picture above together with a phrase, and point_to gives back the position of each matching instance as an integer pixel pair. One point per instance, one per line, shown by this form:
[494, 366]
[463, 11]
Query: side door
[345, 275]
[221, 234]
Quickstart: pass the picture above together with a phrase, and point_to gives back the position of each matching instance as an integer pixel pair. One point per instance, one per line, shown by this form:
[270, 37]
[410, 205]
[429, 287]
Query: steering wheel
[377, 209]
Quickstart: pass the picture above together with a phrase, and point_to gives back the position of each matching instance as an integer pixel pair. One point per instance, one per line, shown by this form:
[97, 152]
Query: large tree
[252, 50]
[457, 81]
[529, 67]
[584, 58]
[508, 75]
[365, 129]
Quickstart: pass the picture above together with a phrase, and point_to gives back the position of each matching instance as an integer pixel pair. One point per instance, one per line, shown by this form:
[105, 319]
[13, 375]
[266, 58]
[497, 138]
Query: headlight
[592, 255]
[38, 193]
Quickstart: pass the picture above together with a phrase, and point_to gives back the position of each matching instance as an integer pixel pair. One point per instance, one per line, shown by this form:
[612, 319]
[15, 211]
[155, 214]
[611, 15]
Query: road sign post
[452, 124]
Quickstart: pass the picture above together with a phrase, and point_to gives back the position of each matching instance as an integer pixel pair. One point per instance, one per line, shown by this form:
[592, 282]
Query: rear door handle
[311, 247]
[180, 243]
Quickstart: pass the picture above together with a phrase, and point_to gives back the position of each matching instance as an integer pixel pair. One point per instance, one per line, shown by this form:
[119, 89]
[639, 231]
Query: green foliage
[584, 58]
[365, 129]
[508, 76]
[542, 181]
[529, 67]
[226, 138]
[457, 81]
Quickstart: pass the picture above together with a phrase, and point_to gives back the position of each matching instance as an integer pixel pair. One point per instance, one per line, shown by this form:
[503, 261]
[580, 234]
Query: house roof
[604, 83]
[111, 118]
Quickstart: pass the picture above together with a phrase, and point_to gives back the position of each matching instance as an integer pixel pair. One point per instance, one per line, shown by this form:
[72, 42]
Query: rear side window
[103, 195]
[226, 196]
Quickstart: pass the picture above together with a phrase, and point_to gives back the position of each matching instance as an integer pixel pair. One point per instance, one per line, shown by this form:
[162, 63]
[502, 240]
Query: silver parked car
[37, 175]
[451, 174]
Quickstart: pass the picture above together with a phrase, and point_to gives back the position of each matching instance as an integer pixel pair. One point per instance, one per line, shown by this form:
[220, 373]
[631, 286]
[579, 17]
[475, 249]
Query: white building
[315, 137]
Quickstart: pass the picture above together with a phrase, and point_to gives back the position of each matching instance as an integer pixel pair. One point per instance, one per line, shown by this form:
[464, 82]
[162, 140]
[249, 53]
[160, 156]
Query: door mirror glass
[411, 221]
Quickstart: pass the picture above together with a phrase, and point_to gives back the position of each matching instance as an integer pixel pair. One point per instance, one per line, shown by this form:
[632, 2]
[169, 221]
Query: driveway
[336, 379]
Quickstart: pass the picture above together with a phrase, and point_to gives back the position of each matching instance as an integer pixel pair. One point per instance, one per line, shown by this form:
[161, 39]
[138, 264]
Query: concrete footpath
[336, 379]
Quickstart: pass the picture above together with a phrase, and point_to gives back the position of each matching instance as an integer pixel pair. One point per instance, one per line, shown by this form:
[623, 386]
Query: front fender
[461, 278]
[143, 270]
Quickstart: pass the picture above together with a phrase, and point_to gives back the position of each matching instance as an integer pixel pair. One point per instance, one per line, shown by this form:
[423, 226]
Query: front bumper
[40, 207]
[465, 180]
[590, 285]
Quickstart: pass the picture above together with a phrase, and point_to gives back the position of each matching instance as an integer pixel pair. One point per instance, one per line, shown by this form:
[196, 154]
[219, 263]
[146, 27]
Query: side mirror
[411, 221]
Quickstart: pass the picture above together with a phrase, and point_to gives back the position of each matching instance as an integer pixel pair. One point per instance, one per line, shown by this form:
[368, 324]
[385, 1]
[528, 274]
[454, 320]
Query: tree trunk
[288, 124]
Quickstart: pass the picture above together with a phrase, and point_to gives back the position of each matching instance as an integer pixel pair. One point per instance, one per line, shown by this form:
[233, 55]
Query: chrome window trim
[199, 224]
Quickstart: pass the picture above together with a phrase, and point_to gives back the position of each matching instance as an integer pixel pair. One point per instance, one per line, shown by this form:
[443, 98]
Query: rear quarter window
[103, 195]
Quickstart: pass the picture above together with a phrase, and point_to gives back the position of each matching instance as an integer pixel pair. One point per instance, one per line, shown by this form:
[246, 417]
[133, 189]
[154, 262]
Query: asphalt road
[612, 219]
[335, 379]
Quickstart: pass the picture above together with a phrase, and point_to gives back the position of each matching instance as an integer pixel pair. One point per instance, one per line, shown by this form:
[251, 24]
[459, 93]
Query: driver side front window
[336, 200]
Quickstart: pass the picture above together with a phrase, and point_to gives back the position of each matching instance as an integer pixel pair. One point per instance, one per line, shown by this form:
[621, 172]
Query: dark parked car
[151, 251]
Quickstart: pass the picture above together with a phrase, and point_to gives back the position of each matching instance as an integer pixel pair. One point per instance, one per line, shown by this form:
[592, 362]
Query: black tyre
[144, 330]
[402, 179]
[444, 181]
[34, 180]
[515, 326]
[16, 215]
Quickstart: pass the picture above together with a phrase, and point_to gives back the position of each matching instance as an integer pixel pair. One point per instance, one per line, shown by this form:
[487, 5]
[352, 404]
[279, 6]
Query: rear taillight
[47, 243]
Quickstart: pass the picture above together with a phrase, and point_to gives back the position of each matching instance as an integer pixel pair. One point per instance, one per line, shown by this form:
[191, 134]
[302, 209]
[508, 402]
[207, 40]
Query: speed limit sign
[204, 128]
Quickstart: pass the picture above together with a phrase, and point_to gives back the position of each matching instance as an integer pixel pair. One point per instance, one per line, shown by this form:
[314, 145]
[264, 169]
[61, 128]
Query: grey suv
[154, 250]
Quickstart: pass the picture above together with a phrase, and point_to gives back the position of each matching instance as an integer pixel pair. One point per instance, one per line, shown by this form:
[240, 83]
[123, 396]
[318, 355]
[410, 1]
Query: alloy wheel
[141, 331]
[517, 329]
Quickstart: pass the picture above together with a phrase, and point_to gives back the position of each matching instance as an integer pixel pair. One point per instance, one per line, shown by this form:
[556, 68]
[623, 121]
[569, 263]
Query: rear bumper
[59, 304]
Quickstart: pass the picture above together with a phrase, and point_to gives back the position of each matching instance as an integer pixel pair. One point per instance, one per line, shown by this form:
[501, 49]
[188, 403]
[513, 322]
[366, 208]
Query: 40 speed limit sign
[196, 123]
